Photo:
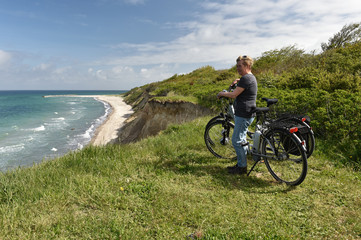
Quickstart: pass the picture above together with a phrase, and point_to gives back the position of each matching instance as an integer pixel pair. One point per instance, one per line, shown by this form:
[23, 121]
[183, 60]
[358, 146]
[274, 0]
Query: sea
[34, 128]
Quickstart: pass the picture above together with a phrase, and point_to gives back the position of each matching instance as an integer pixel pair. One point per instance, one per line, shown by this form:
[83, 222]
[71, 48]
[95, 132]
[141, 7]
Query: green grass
[169, 187]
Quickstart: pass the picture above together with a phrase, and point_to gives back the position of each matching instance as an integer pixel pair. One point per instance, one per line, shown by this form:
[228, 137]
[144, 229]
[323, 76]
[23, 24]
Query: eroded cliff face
[155, 116]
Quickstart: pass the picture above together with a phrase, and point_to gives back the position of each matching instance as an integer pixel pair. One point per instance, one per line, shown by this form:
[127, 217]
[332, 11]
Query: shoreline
[108, 130]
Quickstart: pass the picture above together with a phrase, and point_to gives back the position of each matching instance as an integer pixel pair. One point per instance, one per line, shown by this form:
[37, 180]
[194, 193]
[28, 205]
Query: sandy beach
[108, 131]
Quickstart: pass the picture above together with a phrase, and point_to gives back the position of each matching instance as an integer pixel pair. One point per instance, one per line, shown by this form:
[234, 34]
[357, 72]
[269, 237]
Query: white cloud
[135, 2]
[42, 67]
[5, 57]
[215, 36]
[230, 28]
[132, 2]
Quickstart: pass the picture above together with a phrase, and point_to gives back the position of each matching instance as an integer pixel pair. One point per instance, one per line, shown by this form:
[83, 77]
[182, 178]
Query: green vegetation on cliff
[325, 86]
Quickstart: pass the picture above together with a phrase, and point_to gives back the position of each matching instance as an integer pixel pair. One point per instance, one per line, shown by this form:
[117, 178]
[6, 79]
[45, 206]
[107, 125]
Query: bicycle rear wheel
[218, 139]
[286, 158]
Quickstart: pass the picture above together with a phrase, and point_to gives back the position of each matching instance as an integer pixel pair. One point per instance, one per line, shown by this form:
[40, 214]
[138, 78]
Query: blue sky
[121, 44]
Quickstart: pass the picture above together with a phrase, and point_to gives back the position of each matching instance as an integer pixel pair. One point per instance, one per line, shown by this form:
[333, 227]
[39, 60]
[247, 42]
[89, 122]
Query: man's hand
[234, 82]
[221, 94]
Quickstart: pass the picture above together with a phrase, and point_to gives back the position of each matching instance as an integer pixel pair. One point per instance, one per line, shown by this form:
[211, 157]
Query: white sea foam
[56, 123]
[52, 125]
[39, 129]
[54, 149]
[88, 133]
[108, 110]
[29, 139]
[58, 119]
[12, 148]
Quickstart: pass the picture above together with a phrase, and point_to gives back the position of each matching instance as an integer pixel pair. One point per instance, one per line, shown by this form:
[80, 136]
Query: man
[245, 95]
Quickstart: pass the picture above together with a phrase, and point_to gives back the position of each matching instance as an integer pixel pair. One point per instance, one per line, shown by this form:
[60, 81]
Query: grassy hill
[170, 187]
[325, 86]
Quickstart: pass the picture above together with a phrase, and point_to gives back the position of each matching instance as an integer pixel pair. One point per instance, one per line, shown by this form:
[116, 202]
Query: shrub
[327, 87]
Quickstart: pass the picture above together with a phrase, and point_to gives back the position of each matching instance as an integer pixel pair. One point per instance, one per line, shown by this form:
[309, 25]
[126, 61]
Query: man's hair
[246, 60]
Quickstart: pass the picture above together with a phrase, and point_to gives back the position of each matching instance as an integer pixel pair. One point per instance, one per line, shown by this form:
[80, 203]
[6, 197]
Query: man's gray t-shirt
[246, 101]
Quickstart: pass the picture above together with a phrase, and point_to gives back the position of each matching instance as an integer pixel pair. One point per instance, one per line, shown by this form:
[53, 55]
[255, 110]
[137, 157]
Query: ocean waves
[80, 140]
[38, 129]
[11, 148]
[50, 128]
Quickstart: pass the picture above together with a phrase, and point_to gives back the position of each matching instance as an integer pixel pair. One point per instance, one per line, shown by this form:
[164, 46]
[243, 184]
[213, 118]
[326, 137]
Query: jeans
[239, 137]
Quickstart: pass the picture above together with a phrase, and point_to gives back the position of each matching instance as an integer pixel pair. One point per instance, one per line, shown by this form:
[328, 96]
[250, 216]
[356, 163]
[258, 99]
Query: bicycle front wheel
[214, 119]
[218, 139]
[285, 156]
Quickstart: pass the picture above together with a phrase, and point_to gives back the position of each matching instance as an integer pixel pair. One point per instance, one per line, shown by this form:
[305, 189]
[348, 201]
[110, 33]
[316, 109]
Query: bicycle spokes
[217, 139]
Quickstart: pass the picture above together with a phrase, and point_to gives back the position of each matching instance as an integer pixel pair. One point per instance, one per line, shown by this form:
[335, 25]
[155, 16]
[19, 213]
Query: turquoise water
[34, 128]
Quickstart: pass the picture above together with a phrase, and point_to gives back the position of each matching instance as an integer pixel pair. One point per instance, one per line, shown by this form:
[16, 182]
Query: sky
[122, 44]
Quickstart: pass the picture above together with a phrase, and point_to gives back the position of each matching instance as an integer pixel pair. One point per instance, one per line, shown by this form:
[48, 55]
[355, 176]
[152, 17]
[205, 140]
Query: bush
[327, 87]
[281, 60]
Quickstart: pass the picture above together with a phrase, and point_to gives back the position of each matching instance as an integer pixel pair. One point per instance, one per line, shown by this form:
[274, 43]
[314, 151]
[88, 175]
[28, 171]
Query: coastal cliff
[152, 116]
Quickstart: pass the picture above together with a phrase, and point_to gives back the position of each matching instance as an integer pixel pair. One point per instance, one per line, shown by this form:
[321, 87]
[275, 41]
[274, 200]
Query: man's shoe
[232, 167]
[237, 170]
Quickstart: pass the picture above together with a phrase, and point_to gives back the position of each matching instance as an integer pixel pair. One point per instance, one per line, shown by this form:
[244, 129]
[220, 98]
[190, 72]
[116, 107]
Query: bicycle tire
[219, 117]
[218, 139]
[306, 135]
[284, 156]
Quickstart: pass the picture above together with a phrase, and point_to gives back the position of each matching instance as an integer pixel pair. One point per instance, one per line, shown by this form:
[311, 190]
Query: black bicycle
[280, 143]
[226, 115]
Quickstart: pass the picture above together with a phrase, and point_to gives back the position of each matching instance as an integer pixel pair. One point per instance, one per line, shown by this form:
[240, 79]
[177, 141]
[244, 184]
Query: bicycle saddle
[270, 101]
